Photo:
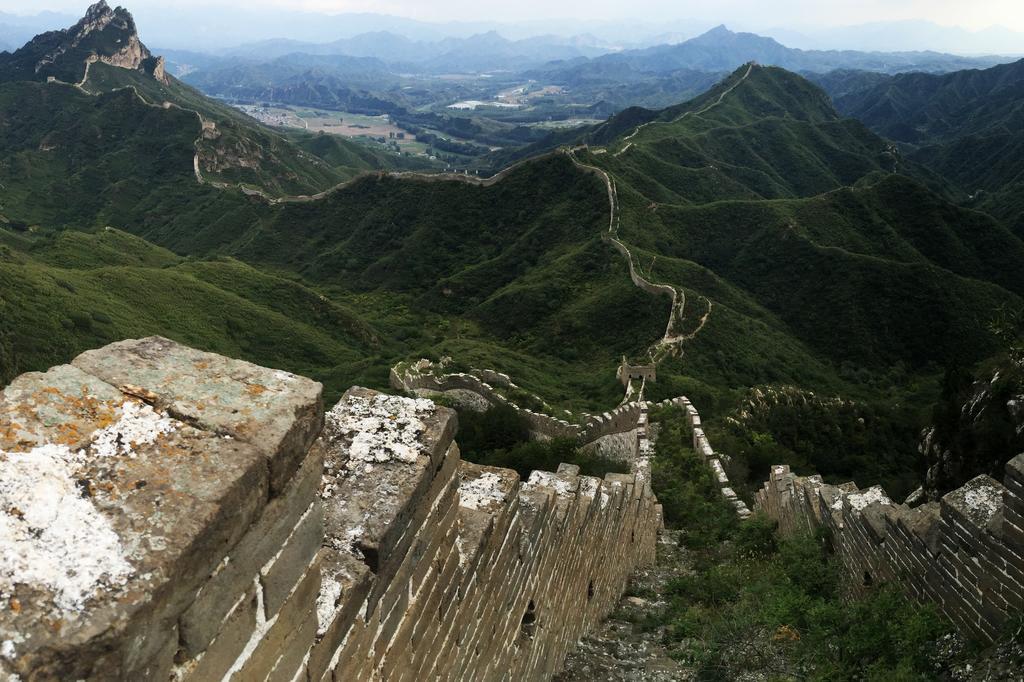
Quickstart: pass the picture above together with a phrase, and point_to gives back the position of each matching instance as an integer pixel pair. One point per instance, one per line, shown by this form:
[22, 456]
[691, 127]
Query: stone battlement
[472, 390]
[964, 554]
[703, 448]
[172, 514]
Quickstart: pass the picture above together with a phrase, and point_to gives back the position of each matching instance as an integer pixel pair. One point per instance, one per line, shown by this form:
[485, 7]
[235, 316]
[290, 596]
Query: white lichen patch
[52, 537]
[984, 499]
[550, 480]
[481, 492]
[138, 426]
[860, 500]
[327, 604]
[589, 486]
[7, 650]
[382, 428]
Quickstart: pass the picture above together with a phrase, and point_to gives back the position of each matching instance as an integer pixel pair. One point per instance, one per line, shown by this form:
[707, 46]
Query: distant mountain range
[967, 125]
[892, 36]
[718, 50]
[723, 50]
[480, 52]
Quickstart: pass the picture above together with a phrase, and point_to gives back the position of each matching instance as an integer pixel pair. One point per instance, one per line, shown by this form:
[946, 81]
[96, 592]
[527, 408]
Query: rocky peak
[98, 17]
[977, 427]
[103, 34]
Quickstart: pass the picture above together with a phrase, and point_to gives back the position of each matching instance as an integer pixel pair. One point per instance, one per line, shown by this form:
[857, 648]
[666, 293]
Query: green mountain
[967, 126]
[102, 56]
[921, 108]
[805, 250]
[64, 292]
[817, 219]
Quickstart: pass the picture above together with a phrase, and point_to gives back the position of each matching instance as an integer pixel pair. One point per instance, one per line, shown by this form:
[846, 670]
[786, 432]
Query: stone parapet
[172, 514]
[962, 554]
[129, 480]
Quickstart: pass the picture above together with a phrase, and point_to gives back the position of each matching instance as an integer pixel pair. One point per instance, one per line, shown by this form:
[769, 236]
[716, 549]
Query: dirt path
[623, 648]
[671, 341]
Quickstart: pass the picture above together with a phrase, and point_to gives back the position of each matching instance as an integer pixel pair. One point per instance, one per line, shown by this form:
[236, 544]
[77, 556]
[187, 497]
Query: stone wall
[964, 554]
[702, 446]
[172, 514]
[426, 379]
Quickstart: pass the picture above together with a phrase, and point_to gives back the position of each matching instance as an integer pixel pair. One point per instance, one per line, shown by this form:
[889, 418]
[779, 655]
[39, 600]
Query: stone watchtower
[628, 372]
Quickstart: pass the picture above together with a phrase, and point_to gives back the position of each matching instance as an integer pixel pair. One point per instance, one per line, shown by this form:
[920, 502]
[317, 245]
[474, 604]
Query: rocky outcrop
[103, 35]
[979, 425]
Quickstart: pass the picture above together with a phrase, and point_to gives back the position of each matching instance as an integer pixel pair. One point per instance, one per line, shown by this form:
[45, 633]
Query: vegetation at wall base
[500, 437]
[753, 601]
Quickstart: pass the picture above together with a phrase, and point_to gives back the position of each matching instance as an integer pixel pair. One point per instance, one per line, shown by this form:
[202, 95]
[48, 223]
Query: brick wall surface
[245, 537]
[965, 554]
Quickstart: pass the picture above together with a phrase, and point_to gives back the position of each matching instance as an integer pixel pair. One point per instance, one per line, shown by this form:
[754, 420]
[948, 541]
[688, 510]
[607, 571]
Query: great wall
[214, 523]
[965, 554]
[173, 514]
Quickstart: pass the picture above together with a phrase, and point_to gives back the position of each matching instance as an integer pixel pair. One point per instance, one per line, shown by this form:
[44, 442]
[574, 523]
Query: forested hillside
[807, 251]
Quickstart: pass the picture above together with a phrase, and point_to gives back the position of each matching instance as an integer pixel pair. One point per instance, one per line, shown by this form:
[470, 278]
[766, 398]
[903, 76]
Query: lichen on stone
[327, 604]
[550, 480]
[382, 428]
[984, 500]
[860, 500]
[481, 491]
[139, 425]
[52, 536]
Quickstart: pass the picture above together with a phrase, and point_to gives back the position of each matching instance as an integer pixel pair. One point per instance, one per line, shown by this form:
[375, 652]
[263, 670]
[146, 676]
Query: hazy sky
[975, 14]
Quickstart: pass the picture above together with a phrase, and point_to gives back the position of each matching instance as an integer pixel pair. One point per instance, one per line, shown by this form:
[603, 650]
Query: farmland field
[359, 127]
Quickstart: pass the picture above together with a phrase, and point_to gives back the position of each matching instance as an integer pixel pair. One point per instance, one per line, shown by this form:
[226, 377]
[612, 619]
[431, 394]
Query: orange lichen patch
[201, 364]
[15, 605]
[9, 435]
[67, 434]
[255, 389]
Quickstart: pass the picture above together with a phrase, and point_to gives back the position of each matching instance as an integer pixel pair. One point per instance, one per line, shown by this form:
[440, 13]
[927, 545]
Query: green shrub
[805, 564]
[756, 537]
[500, 437]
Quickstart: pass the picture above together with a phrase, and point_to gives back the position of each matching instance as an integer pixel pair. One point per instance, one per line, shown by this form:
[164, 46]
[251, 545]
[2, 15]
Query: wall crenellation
[702, 446]
[424, 378]
[224, 528]
[965, 554]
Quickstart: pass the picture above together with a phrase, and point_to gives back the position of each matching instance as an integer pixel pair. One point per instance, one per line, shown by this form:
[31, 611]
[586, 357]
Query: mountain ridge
[103, 34]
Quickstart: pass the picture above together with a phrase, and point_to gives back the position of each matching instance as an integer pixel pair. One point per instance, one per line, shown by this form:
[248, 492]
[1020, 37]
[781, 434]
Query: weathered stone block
[291, 665]
[149, 506]
[381, 454]
[976, 505]
[273, 634]
[280, 575]
[278, 413]
[345, 584]
[235, 632]
[261, 542]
